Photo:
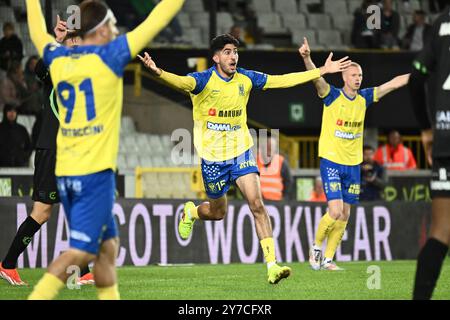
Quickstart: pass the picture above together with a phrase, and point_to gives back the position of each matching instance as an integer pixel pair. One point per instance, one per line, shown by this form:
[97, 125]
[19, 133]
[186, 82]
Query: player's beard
[228, 69]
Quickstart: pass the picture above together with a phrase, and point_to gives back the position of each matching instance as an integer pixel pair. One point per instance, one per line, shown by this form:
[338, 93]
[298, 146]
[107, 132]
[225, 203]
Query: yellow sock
[194, 213]
[268, 248]
[109, 293]
[334, 238]
[326, 224]
[47, 288]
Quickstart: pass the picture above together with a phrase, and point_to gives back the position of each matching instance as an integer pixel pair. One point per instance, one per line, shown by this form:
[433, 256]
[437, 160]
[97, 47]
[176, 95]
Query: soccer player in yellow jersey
[89, 84]
[221, 137]
[340, 151]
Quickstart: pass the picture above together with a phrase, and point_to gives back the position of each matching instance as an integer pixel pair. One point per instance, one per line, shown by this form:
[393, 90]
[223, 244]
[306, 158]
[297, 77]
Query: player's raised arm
[155, 22]
[186, 83]
[321, 85]
[36, 26]
[296, 78]
[392, 85]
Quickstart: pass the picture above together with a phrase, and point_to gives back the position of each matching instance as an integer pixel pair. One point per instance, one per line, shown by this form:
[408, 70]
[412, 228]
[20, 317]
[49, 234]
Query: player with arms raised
[221, 137]
[340, 151]
[89, 84]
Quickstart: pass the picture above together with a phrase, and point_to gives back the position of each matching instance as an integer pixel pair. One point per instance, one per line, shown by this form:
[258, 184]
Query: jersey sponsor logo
[82, 132]
[348, 124]
[212, 112]
[354, 189]
[445, 29]
[440, 185]
[222, 126]
[346, 135]
[443, 174]
[443, 120]
[247, 164]
[80, 236]
[26, 240]
[230, 113]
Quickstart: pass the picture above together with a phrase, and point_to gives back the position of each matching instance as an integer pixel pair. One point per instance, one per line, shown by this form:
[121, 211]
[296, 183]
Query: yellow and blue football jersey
[89, 85]
[341, 136]
[220, 112]
[220, 106]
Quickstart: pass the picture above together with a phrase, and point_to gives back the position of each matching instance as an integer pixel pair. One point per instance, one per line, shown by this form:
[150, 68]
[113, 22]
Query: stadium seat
[294, 21]
[27, 122]
[297, 38]
[330, 39]
[342, 22]
[21, 4]
[200, 19]
[285, 6]
[193, 6]
[142, 142]
[184, 19]
[305, 5]
[127, 125]
[145, 161]
[262, 6]
[224, 22]
[353, 5]
[121, 162]
[7, 14]
[130, 144]
[319, 21]
[194, 36]
[270, 23]
[407, 8]
[159, 161]
[132, 161]
[335, 7]
[166, 141]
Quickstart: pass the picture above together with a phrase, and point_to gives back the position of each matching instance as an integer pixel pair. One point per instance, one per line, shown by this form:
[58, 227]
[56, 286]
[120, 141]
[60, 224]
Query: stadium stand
[326, 23]
[292, 17]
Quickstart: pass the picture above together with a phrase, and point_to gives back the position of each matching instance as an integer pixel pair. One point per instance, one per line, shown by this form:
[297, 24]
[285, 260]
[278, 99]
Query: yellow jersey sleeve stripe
[291, 79]
[375, 94]
[155, 22]
[36, 26]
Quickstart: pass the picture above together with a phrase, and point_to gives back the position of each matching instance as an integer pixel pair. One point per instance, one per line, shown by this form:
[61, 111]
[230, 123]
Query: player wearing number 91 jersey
[89, 85]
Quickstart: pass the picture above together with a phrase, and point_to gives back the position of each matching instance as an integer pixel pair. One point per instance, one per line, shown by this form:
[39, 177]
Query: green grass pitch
[248, 282]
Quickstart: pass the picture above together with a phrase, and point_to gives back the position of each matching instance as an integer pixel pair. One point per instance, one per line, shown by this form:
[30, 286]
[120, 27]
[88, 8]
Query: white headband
[109, 15]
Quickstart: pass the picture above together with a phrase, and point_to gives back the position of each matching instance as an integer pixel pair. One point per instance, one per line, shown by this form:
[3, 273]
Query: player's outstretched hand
[336, 66]
[60, 29]
[304, 50]
[150, 64]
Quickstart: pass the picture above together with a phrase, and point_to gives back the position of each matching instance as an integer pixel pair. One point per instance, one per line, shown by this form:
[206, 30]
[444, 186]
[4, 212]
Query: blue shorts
[218, 176]
[340, 181]
[88, 202]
